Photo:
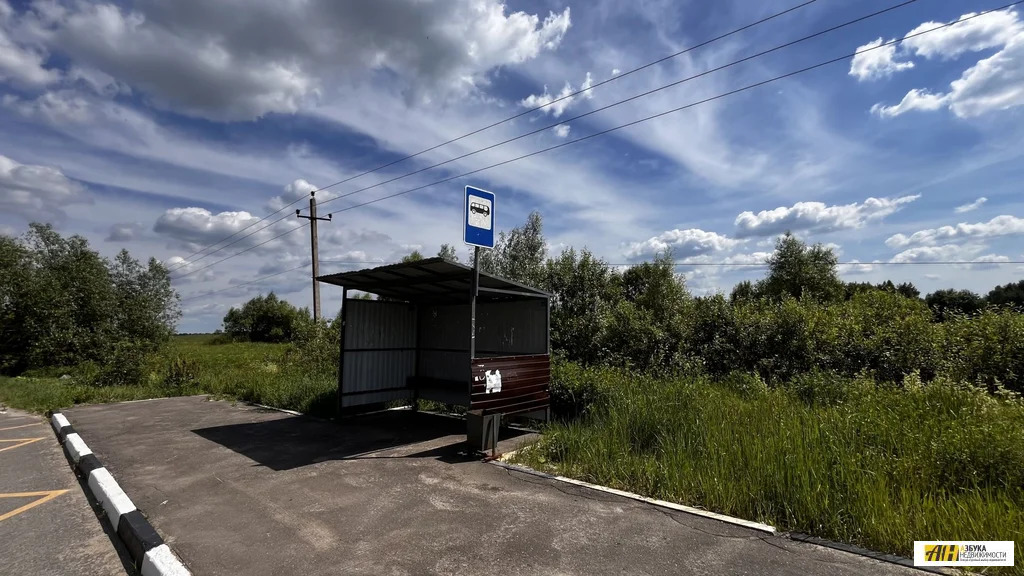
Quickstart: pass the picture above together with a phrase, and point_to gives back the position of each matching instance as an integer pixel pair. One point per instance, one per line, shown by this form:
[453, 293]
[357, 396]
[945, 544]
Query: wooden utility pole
[316, 251]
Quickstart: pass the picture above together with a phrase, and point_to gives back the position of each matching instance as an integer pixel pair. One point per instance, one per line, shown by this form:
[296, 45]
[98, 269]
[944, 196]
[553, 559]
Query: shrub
[744, 383]
[265, 319]
[128, 365]
[576, 390]
[985, 349]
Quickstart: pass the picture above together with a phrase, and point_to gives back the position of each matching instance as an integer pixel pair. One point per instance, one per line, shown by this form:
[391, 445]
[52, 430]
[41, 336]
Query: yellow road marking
[22, 426]
[46, 496]
[23, 441]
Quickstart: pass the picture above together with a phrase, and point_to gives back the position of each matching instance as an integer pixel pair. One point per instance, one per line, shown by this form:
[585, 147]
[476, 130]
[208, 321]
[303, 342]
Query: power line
[513, 117]
[240, 284]
[299, 227]
[764, 265]
[665, 113]
[677, 264]
[576, 93]
[630, 99]
[185, 261]
[674, 110]
[254, 232]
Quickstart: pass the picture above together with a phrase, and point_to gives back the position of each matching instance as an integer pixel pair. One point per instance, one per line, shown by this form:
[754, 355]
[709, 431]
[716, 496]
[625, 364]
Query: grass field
[256, 372]
[878, 467]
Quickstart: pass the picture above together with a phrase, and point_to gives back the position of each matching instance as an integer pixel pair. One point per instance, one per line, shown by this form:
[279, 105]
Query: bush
[62, 304]
[986, 349]
[265, 319]
[576, 390]
[128, 365]
[315, 347]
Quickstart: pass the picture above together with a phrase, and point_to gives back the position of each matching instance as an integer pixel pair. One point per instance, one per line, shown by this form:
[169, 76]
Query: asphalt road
[47, 524]
[240, 490]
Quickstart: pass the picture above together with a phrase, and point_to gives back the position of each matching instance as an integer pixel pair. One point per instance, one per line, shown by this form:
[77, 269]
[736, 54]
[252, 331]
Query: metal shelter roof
[434, 280]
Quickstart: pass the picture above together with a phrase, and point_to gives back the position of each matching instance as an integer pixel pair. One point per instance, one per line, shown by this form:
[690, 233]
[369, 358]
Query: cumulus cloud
[196, 228]
[970, 252]
[299, 188]
[684, 244]
[972, 206]
[564, 101]
[817, 216]
[186, 272]
[36, 191]
[872, 62]
[202, 59]
[993, 83]
[124, 232]
[1004, 225]
[562, 130]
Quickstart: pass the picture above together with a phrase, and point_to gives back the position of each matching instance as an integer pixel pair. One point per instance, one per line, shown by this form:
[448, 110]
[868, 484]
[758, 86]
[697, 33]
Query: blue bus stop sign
[479, 222]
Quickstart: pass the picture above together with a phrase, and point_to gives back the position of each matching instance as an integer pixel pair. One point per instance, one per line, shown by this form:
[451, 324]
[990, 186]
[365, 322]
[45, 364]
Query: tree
[1011, 294]
[646, 325]
[62, 304]
[743, 292]
[801, 271]
[949, 302]
[448, 253]
[415, 256]
[582, 296]
[519, 255]
[265, 319]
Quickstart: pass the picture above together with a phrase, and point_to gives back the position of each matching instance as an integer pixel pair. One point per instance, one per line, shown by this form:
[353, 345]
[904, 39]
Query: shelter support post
[341, 348]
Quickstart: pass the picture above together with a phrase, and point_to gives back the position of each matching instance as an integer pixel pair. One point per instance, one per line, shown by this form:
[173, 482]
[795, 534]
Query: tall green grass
[271, 374]
[876, 466]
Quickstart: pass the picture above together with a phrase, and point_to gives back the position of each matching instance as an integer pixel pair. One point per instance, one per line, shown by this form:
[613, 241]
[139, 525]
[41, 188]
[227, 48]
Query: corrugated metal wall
[503, 328]
[444, 342]
[380, 351]
[509, 328]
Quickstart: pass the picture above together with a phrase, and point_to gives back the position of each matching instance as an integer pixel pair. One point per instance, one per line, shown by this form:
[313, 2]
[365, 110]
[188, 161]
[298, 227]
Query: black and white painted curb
[145, 546]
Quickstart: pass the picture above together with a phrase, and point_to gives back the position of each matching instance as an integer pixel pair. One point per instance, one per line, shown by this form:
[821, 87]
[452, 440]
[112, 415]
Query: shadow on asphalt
[293, 442]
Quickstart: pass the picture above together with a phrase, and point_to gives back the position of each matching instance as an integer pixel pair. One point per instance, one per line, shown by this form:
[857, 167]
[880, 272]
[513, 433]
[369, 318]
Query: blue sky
[165, 126]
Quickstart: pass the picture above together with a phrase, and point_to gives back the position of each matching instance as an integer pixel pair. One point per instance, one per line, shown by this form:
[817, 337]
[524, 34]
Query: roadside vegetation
[860, 412]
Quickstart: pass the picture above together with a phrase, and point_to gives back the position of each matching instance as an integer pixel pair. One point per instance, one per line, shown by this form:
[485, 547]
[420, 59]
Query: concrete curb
[654, 502]
[146, 548]
[796, 536]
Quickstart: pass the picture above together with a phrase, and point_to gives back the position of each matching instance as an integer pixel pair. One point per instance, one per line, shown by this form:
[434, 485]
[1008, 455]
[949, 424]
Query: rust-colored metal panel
[525, 384]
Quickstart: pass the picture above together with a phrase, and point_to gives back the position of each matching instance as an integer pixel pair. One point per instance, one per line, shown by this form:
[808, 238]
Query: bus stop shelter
[430, 335]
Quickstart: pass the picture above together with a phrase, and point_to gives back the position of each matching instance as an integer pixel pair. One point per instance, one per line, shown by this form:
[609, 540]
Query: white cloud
[196, 228]
[21, 64]
[817, 216]
[972, 206]
[36, 191]
[299, 188]
[873, 63]
[124, 232]
[991, 30]
[856, 267]
[562, 130]
[950, 253]
[684, 244]
[914, 100]
[1004, 225]
[563, 99]
[202, 59]
[991, 84]
[184, 272]
[54, 108]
